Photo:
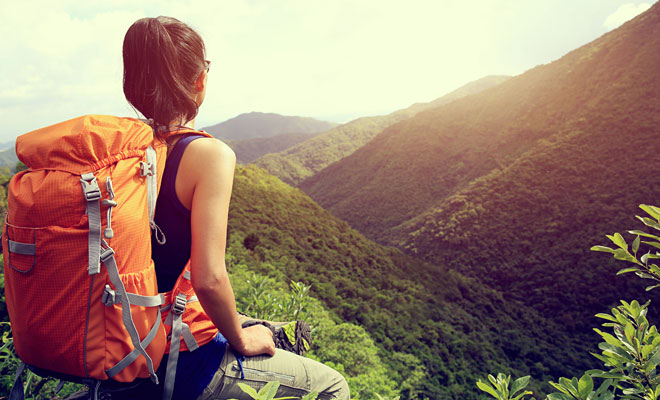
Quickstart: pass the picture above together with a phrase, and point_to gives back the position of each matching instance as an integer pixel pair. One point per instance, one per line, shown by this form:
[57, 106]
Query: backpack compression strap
[125, 298]
[179, 330]
[92, 194]
[100, 251]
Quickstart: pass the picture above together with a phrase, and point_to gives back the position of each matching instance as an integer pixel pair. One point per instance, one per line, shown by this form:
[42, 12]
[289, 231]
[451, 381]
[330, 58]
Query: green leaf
[610, 339]
[655, 359]
[617, 352]
[618, 240]
[526, 392]
[635, 245]
[519, 384]
[635, 309]
[560, 387]
[646, 350]
[569, 385]
[603, 249]
[559, 396]
[622, 254]
[607, 375]
[632, 391]
[643, 275]
[651, 210]
[642, 233]
[654, 244]
[487, 388]
[310, 396]
[649, 222]
[654, 269]
[268, 392]
[585, 386]
[648, 288]
[249, 390]
[606, 316]
[626, 270]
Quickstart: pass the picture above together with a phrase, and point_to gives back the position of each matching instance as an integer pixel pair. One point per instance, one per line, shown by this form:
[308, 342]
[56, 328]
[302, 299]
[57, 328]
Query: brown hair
[162, 59]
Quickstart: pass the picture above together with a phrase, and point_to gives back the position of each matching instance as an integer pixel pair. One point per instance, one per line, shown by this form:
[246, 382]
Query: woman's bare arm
[204, 185]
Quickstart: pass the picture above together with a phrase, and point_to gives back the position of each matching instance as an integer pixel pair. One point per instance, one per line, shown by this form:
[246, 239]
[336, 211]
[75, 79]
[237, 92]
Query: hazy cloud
[319, 58]
[624, 13]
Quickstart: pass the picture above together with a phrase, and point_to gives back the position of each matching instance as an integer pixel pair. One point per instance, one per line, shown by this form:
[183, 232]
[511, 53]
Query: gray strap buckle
[109, 296]
[106, 253]
[90, 187]
[147, 169]
[179, 305]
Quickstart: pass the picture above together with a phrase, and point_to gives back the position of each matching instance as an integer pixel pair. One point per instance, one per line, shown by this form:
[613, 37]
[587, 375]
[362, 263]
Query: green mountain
[248, 150]
[304, 160]
[8, 158]
[259, 125]
[457, 327]
[514, 184]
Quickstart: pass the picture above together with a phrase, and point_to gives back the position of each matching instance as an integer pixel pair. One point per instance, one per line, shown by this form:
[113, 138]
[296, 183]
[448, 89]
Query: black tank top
[174, 220]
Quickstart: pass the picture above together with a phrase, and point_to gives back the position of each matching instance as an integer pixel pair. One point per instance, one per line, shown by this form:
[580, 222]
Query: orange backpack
[80, 284]
[83, 299]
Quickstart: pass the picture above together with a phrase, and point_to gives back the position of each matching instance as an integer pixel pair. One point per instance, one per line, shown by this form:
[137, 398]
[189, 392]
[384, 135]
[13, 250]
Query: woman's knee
[329, 383]
[343, 392]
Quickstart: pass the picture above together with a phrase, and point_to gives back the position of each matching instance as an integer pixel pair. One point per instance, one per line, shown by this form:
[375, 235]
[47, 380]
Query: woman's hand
[256, 340]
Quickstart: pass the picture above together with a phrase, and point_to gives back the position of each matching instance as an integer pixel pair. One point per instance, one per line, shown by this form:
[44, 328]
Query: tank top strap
[174, 159]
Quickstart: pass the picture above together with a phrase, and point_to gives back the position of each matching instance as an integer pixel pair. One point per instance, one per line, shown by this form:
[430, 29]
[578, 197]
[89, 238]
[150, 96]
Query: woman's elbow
[210, 283]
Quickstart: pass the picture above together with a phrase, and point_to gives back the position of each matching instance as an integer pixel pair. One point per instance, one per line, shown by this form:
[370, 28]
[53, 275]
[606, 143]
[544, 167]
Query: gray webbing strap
[168, 320]
[188, 337]
[150, 170]
[152, 182]
[178, 307]
[113, 272]
[28, 249]
[111, 297]
[186, 275]
[133, 355]
[92, 194]
[17, 391]
[146, 301]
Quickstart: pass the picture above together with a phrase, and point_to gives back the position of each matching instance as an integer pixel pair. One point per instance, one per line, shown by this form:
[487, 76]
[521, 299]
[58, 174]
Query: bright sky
[333, 60]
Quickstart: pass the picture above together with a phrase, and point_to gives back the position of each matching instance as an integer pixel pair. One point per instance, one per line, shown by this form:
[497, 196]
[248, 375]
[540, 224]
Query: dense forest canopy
[506, 185]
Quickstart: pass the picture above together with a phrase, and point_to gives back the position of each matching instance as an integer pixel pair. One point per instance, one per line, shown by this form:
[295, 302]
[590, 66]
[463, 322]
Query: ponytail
[162, 59]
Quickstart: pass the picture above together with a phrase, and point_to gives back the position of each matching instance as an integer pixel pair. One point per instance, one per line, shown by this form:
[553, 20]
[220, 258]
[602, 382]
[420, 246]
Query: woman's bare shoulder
[208, 161]
[210, 149]
[209, 153]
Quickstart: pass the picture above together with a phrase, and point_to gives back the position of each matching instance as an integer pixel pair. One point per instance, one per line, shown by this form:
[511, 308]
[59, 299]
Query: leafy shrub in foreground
[631, 353]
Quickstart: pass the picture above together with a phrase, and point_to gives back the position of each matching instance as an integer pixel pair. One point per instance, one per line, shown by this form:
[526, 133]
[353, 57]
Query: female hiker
[165, 79]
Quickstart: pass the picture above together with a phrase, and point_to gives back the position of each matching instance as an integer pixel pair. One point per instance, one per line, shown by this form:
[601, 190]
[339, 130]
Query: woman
[165, 76]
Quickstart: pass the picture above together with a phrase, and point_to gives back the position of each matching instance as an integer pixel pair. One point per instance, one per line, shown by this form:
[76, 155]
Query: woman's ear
[200, 82]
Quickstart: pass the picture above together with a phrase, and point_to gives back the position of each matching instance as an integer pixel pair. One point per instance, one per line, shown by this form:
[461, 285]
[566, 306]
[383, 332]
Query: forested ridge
[455, 325]
[302, 161]
[260, 125]
[512, 186]
[248, 150]
[415, 164]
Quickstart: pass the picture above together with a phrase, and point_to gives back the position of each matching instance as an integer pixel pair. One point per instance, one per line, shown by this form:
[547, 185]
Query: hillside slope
[258, 125]
[248, 150]
[304, 160]
[456, 326]
[514, 184]
[8, 158]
